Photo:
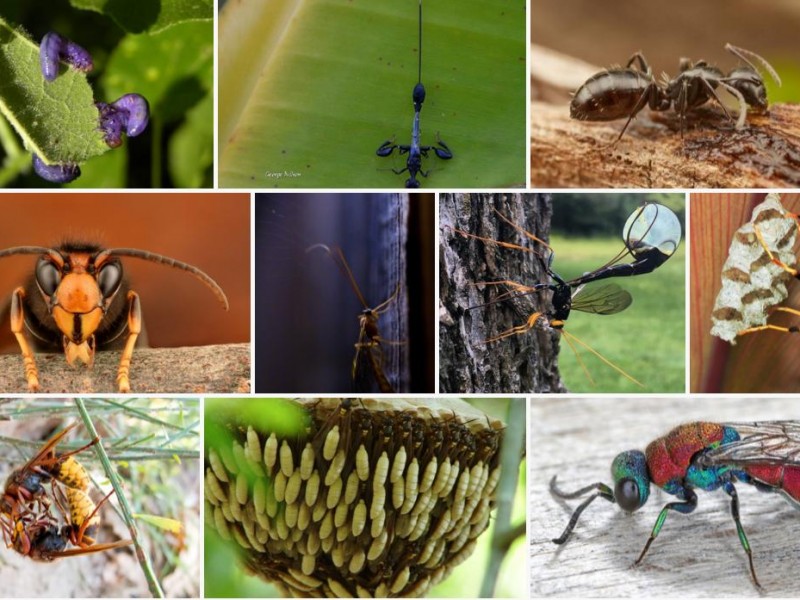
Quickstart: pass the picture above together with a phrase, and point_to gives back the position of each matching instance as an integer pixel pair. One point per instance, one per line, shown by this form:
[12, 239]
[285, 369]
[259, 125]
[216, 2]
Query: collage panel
[344, 284]
[515, 267]
[68, 465]
[629, 95]
[347, 497]
[372, 94]
[107, 94]
[745, 296]
[581, 544]
[152, 291]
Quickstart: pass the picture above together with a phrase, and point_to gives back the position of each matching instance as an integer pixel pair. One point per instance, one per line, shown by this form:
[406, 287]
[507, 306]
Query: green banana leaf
[308, 90]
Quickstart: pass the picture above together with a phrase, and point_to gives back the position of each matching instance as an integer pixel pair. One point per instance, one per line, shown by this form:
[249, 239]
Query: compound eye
[626, 493]
[47, 276]
[109, 279]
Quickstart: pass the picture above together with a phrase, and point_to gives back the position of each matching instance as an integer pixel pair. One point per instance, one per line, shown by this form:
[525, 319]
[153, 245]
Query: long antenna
[419, 78]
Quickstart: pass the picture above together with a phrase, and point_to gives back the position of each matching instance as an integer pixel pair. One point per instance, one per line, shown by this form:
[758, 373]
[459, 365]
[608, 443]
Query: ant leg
[640, 104]
[742, 104]
[643, 66]
[17, 328]
[386, 148]
[134, 329]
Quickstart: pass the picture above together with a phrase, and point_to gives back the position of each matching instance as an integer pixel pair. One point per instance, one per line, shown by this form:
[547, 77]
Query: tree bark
[653, 152]
[527, 362]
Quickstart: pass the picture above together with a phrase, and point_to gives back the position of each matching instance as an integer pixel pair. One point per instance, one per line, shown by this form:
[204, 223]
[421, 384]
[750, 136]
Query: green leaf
[106, 171]
[56, 120]
[191, 148]
[161, 522]
[310, 88]
[150, 16]
[172, 69]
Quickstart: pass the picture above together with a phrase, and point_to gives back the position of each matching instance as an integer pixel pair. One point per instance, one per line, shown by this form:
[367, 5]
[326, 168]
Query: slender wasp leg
[682, 507]
[386, 148]
[134, 329]
[444, 152]
[791, 270]
[519, 329]
[17, 328]
[731, 491]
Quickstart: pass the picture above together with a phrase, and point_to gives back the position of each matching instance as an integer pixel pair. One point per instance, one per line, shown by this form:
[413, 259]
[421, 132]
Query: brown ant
[623, 92]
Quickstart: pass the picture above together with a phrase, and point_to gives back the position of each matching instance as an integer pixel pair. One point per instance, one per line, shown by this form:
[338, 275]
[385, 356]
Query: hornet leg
[134, 329]
[17, 328]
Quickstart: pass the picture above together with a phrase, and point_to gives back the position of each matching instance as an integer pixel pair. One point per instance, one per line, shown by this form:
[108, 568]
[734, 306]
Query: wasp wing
[606, 299]
[762, 443]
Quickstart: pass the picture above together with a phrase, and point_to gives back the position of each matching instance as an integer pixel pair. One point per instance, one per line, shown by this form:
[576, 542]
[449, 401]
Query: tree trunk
[521, 363]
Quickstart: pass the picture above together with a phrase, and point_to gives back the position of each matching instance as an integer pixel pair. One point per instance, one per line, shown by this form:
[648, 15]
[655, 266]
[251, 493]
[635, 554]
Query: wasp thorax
[376, 498]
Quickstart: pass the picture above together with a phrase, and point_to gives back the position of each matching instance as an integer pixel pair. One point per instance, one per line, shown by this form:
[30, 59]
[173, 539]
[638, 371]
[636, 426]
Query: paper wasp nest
[375, 498]
[751, 283]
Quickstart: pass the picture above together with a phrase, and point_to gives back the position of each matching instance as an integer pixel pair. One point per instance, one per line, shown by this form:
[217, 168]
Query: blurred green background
[161, 49]
[225, 579]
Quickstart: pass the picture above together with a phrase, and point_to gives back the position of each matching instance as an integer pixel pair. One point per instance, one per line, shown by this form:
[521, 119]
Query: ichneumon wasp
[699, 456]
[651, 235]
[369, 350]
[416, 152]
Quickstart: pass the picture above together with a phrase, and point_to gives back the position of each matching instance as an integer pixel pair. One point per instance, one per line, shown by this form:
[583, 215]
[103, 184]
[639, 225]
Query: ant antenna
[419, 76]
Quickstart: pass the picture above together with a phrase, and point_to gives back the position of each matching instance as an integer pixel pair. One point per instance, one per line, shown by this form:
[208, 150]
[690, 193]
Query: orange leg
[134, 329]
[518, 330]
[779, 328]
[18, 328]
[791, 270]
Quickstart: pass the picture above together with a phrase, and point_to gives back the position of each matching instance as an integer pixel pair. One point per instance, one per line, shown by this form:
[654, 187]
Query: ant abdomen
[613, 94]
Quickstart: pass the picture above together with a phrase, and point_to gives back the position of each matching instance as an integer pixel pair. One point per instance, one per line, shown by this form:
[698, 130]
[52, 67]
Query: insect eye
[109, 279]
[626, 493]
[47, 276]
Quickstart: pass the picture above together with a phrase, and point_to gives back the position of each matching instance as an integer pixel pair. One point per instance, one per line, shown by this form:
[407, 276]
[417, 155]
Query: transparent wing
[763, 442]
[606, 299]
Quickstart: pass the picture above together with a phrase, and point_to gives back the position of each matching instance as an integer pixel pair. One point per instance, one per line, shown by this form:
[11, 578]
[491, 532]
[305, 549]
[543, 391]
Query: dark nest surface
[353, 498]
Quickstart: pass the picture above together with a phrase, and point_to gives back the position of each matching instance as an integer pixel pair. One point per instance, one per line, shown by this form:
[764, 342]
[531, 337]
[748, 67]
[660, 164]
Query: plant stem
[127, 513]
[510, 458]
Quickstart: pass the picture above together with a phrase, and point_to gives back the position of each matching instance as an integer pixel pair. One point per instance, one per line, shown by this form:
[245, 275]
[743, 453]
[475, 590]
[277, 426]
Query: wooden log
[193, 370]
[653, 152]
